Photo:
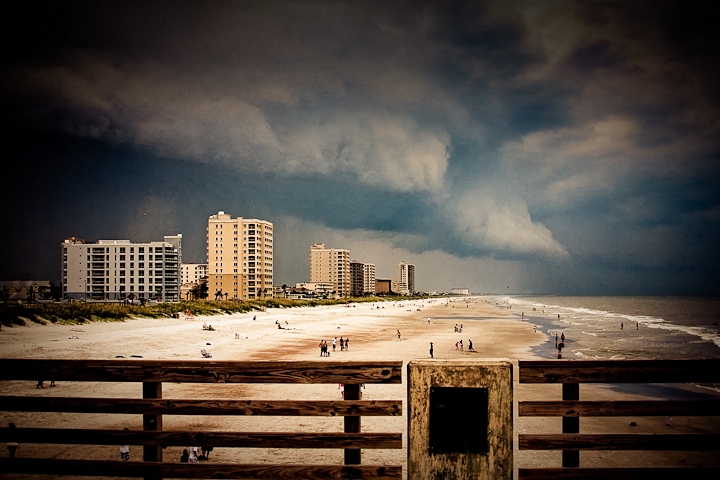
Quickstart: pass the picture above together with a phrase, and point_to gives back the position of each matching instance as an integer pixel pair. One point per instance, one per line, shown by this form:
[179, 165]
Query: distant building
[331, 265]
[120, 269]
[460, 291]
[405, 281]
[357, 276]
[25, 291]
[239, 257]
[363, 278]
[320, 289]
[369, 278]
[193, 272]
[383, 286]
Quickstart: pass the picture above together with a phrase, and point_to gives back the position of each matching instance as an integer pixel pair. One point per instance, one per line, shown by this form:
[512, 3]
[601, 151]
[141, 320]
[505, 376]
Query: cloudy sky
[567, 147]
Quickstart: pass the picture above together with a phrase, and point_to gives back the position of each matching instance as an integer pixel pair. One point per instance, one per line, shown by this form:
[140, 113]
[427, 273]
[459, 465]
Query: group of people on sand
[344, 345]
[458, 328]
[208, 327]
[459, 345]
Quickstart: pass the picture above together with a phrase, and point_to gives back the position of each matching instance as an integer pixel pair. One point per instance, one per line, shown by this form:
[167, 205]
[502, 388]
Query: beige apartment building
[331, 265]
[239, 257]
[405, 282]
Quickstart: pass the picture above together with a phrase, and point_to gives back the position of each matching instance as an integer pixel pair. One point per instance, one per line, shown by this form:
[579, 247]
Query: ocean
[621, 327]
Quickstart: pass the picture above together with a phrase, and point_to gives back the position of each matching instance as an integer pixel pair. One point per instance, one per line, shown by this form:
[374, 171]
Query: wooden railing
[572, 373]
[153, 406]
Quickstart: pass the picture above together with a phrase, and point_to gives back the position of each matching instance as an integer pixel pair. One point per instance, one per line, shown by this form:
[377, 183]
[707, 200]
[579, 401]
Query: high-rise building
[369, 278]
[357, 275]
[405, 282]
[239, 257]
[411, 278]
[363, 278]
[119, 269]
[331, 265]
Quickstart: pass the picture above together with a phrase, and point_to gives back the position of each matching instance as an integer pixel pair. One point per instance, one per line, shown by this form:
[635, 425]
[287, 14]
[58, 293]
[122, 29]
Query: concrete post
[460, 419]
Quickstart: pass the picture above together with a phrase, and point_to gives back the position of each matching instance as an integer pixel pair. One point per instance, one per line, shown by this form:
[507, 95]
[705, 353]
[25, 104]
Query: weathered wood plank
[619, 371]
[202, 407]
[204, 470]
[636, 473]
[640, 441]
[619, 408]
[200, 371]
[66, 436]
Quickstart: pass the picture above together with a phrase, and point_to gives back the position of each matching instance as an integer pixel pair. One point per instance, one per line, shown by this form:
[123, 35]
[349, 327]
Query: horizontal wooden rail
[639, 441]
[202, 407]
[204, 470]
[632, 473]
[619, 371]
[619, 408]
[68, 436]
[201, 371]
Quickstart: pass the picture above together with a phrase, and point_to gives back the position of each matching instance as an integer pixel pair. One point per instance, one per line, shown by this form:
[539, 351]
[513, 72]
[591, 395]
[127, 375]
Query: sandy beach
[371, 329]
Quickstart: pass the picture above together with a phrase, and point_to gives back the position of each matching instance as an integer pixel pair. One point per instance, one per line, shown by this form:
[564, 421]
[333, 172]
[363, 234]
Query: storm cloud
[565, 147]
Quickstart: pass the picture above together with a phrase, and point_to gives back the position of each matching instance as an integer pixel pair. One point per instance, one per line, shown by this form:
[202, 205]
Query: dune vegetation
[80, 312]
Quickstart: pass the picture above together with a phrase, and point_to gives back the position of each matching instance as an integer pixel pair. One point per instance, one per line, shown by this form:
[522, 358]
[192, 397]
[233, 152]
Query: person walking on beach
[470, 347]
[342, 344]
[321, 348]
[534, 328]
[431, 350]
[347, 344]
[334, 342]
[193, 458]
[12, 444]
[398, 335]
[622, 325]
[125, 451]
[461, 346]
[556, 340]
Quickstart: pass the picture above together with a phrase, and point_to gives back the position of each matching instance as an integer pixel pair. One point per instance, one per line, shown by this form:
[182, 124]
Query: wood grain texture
[66, 436]
[205, 470]
[637, 473]
[202, 407]
[640, 441]
[126, 370]
[619, 408]
[619, 371]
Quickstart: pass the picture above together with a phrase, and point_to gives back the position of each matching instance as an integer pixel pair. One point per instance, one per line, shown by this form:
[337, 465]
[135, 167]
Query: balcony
[98, 258]
[98, 273]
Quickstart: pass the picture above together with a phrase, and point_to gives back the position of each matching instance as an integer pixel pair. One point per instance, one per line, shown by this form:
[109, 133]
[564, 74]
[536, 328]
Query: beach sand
[495, 333]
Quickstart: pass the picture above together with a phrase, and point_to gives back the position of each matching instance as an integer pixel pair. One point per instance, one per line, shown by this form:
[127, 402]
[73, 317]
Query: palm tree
[218, 295]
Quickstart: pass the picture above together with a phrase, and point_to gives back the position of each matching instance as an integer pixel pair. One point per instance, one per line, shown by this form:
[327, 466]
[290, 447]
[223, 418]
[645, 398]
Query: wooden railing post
[352, 425]
[152, 453]
[571, 391]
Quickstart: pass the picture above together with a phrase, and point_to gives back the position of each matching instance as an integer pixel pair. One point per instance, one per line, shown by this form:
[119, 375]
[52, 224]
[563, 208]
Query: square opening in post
[458, 420]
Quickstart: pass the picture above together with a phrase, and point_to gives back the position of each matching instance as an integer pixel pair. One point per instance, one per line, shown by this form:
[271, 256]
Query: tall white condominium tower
[239, 257]
[369, 278]
[118, 269]
[406, 278]
[331, 265]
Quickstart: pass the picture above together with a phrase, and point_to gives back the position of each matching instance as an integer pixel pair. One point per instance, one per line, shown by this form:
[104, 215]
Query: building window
[122, 250]
[141, 250]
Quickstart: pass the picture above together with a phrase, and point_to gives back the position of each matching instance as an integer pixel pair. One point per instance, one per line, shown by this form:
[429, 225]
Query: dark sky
[567, 147]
